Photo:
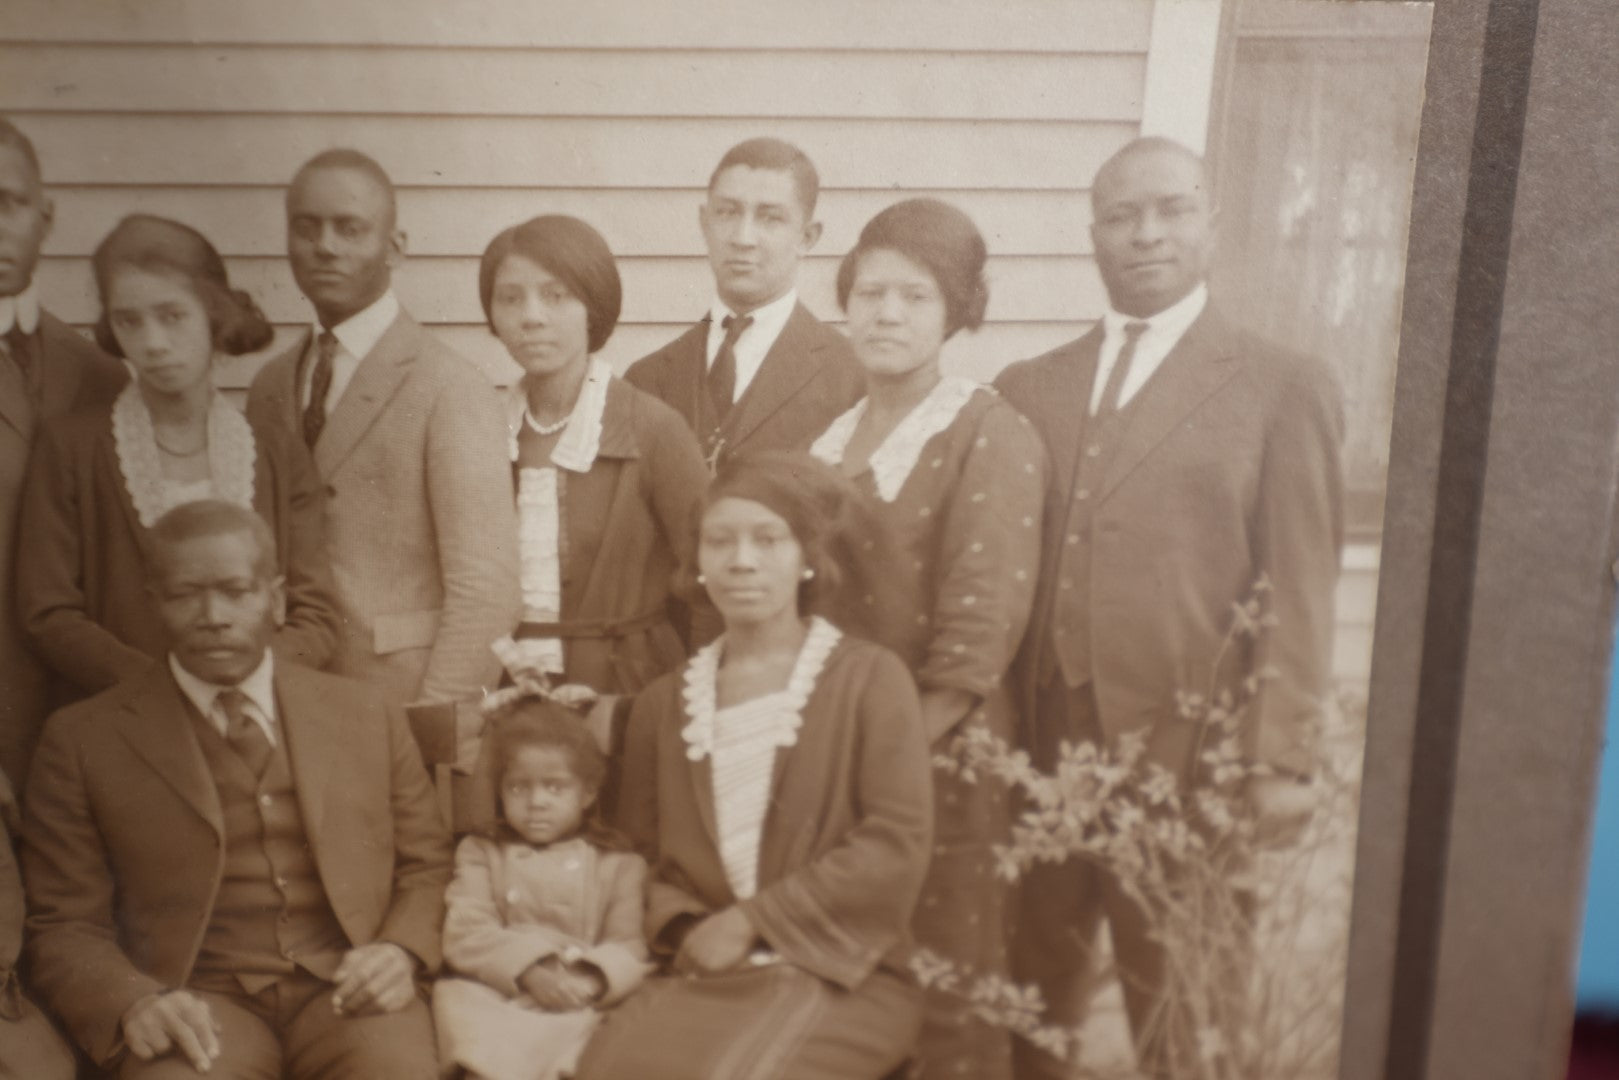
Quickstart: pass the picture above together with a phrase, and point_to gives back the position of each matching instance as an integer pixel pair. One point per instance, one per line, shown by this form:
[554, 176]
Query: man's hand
[373, 979]
[177, 1020]
[1282, 807]
[718, 943]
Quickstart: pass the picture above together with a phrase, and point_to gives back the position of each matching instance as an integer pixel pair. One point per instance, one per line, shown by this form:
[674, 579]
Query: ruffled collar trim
[581, 440]
[782, 709]
[891, 463]
[231, 455]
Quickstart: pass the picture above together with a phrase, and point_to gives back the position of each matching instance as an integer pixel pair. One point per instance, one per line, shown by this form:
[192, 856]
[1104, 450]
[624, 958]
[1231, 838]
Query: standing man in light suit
[1190, 459]
[410, 441]
[759, 372]
[46, 369]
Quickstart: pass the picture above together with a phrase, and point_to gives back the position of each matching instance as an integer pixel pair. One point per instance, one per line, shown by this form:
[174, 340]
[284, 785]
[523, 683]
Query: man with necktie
[759, 372]
[1190, 460]
[234, 865]
[46, 369]
[410, 441]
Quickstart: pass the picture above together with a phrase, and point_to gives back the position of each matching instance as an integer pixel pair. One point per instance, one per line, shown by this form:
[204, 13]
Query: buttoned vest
[271, 914]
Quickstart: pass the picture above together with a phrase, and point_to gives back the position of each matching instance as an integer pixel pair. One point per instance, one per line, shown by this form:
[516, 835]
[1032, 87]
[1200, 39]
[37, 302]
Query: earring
[702, 579]
[809, 573]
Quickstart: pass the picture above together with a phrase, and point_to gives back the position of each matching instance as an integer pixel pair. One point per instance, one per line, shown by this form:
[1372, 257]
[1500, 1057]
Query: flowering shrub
[1254, 931]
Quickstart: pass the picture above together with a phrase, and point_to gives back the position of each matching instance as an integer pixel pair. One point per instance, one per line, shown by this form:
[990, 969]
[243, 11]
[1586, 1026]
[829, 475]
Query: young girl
[544, 915]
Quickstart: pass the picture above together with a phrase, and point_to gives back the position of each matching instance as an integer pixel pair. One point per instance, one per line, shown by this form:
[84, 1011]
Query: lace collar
[581, 441]
[231, 455]
[892, 462]
[782, 709]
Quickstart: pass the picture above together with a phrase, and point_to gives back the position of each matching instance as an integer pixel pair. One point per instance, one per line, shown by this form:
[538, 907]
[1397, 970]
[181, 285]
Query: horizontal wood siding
[486, 114]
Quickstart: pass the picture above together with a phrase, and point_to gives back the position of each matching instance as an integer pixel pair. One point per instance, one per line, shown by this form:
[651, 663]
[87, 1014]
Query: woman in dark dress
[606, 476]
[780, 782]
[99, 480]
[958, 477]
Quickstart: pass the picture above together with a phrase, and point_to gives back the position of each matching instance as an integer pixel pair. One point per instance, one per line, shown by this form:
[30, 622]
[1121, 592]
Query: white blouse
[741, 741]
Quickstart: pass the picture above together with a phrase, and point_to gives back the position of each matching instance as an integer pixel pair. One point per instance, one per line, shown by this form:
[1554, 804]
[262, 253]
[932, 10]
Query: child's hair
[534, 721]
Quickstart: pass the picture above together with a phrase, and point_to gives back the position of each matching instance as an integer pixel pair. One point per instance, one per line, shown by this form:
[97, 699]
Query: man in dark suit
[409, 438]
[759, 372]
[1190, 460]
[46, 369]
[234, 865]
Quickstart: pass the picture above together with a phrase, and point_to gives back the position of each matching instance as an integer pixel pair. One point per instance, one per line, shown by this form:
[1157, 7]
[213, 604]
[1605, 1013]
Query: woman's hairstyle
[536, 722]
[164, 246]
[938, 237]
[827, 517]
[573, 253]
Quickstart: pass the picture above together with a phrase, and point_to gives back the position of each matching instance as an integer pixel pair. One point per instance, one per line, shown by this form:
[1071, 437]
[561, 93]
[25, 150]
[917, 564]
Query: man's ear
[812, 235]
[397, 246]
[47, 210]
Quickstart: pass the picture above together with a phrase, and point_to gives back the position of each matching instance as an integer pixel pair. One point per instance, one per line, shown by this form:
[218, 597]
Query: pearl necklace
[545, 429]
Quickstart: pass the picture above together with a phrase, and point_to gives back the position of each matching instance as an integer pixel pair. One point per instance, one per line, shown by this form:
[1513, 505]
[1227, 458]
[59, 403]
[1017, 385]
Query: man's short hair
[212, 517]
[345, 157]
[1147, 144]
[11, 135]
[778, 155]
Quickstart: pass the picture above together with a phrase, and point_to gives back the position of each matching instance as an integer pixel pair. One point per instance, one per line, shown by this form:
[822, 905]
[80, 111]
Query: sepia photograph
[634, 541]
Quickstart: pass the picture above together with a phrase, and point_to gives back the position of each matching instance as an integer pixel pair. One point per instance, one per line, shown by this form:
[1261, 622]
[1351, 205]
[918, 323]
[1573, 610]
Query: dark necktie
[722, 375]
[1121, 368]
[243, 733]
[319, 386]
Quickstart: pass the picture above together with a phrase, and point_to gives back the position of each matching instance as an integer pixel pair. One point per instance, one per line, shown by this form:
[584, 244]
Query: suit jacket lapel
[1069, 399]
[15, 408]
[156, 723]
[376, 379]
[702, 784]
[1198, 365]
[785, 370]
[310, 754]
[61, 369]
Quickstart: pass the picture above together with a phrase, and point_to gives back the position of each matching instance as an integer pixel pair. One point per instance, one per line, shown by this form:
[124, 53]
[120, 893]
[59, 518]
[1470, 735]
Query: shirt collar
[768, 319]
[258, 687]
[360, 332]
[1169, 324]
[21, 310]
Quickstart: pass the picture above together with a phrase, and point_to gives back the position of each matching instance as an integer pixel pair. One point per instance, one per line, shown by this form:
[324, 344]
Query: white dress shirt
[756, 340]
[258, 689]
[356, 336]
[20, 310]
[1164, 331]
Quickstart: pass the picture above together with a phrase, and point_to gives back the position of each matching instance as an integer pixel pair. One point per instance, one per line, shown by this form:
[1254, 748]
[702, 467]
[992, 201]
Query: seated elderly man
[233, 866]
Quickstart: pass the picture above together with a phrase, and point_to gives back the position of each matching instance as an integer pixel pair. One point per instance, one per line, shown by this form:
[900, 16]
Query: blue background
[1599, 949]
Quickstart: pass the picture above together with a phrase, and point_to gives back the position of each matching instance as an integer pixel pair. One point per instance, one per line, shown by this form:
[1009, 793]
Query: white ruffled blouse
[892, 463]
[741, 741]
[539, 508]
[232, 453]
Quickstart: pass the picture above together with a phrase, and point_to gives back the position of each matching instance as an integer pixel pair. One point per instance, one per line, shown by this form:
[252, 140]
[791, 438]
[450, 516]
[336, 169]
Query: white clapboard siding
[594, 82]
[878, 25]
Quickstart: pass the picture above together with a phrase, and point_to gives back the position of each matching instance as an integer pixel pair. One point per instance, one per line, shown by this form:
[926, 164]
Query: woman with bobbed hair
[99, 480]
[779, 782]
[606, 476]
[958, 477]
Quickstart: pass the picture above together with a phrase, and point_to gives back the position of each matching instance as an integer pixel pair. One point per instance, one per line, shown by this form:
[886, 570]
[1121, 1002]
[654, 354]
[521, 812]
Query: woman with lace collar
[781, 782]
[958, 477]
[99, 480]
[606, 478]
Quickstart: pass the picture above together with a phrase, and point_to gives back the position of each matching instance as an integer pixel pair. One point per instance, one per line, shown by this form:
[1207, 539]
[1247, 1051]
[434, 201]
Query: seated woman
[958, 478]
[99, 480]
[606, 476]
[781, 781]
